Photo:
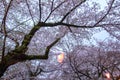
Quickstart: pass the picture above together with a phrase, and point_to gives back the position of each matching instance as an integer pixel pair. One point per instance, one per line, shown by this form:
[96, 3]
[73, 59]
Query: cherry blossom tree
[47, 22]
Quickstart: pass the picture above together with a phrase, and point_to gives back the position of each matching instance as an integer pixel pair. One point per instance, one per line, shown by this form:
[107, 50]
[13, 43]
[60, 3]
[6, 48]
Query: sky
[103, 34]
[100, 36]
[102, 2]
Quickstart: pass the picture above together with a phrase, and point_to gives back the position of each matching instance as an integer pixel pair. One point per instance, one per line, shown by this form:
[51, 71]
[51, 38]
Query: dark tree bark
[18, 54]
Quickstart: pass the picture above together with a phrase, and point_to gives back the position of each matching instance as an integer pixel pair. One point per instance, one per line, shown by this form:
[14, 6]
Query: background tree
[91, 63]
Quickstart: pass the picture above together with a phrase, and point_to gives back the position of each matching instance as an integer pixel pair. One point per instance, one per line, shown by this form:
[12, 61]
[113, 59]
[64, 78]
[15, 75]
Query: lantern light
[107, 75]
[60, 57]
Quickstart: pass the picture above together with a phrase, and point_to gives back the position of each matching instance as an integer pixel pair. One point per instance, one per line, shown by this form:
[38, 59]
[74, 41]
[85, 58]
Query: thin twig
[71, 10]
[40, 12]
[4, 28]
[30, 11]
[54, 9]
[101, 19]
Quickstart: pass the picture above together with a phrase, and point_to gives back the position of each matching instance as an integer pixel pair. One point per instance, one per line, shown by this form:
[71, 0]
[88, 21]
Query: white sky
[101, 2]
[103, 34]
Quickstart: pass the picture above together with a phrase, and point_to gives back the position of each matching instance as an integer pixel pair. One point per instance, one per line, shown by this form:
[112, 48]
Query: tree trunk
[9, 60]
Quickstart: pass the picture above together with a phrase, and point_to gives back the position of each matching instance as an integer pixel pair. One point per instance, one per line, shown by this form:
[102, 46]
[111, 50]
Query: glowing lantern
[108, 75]
[60, 57]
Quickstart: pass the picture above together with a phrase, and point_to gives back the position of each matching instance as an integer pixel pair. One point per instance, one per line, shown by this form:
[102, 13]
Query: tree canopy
[31, 29]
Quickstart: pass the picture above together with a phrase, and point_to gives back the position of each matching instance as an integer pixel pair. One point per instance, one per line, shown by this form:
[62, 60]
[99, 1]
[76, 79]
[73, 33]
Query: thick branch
[28, 38]
[14, 57]
[64, 24]
[45, 56]
[50, 46]
[75, 26]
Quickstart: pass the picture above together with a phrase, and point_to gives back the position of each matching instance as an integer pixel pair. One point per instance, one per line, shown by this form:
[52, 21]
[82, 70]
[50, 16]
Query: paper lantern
[60, 57]
[107, 75]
